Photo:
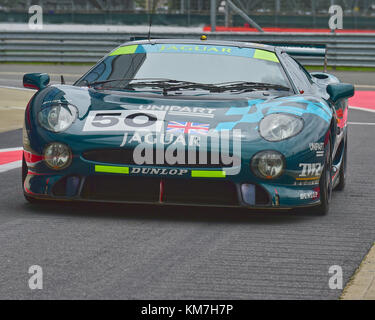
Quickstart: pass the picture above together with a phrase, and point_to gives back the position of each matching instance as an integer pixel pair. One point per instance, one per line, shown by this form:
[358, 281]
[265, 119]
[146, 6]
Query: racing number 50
[105, 120]
[145, 120]
[140, 119]
[127, 120]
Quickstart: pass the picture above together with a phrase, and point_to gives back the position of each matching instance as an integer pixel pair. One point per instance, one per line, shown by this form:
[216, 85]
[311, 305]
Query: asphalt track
[141, 252]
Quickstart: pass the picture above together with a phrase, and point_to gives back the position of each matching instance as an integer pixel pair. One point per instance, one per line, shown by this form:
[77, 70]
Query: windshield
[195, 63]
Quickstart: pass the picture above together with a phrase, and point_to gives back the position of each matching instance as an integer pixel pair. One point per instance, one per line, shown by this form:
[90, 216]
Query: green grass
[50, 63]
[359, 69]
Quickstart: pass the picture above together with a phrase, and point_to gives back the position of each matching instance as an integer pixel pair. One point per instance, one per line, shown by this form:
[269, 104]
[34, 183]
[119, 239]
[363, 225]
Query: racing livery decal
[125, 120]
[257, 109]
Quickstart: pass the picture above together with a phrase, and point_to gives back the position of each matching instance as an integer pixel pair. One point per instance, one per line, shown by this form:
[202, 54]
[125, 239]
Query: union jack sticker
[187, 127]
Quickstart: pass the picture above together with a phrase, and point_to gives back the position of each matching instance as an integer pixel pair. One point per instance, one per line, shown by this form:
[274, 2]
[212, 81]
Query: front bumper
[91, 181]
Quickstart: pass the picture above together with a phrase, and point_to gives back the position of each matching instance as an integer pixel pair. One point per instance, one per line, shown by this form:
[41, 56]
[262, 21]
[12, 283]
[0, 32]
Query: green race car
[189, 122]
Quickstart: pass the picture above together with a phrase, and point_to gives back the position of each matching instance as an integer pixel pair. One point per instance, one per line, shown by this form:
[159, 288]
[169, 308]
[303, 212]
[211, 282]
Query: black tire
[24, 170]
[325, 183]
[342, 173]
[24, 175]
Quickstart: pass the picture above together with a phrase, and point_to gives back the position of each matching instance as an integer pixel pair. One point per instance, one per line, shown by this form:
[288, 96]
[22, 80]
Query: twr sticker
[310, 171]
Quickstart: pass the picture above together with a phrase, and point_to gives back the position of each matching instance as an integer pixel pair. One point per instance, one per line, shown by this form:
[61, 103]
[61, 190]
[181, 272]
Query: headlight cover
[57, 118]
[279, 126]
[268, 164]
[57, 155]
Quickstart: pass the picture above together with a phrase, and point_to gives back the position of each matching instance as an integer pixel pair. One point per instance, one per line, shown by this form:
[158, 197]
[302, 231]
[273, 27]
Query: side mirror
[37, 81]
[339, 91]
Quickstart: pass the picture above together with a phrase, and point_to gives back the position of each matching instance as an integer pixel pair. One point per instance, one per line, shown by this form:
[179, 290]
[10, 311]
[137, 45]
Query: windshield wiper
[191, 85]
[250, 86]
[146, 81]
[173, 85]
[238, 86]
[167, 83]
[163, 83]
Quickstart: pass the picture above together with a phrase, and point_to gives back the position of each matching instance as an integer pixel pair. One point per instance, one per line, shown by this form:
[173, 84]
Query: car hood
[193, 115]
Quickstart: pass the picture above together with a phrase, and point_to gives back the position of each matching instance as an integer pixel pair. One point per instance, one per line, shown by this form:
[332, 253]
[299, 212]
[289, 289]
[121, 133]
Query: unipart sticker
[184, 111]
[125, 120]
[318, 147]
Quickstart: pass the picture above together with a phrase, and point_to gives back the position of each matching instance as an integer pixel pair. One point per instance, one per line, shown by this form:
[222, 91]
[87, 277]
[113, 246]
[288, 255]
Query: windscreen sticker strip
[197, 49]
[265, 55]
[124, 50]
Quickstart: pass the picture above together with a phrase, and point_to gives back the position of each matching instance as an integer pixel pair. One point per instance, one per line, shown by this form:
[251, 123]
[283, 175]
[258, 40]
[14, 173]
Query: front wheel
[342, 173]
[325, 183]
[24, 175]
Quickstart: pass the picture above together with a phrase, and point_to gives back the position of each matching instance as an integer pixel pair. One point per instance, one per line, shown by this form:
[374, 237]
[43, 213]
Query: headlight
[57, 155]
[278, 126]
[268, 164]
[57, 118]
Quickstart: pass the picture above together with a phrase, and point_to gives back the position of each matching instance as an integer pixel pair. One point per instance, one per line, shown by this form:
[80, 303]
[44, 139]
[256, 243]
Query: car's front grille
[200, 192]
[262, 197]
[125, 156]
[151, 190]
[120, 188]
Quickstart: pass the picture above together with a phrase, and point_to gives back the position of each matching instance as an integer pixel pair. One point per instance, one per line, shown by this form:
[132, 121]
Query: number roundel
[125, 120]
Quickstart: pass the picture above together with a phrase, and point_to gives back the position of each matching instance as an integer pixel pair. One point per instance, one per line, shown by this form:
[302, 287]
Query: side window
[302, 68]
[300, 76]
[95, 74]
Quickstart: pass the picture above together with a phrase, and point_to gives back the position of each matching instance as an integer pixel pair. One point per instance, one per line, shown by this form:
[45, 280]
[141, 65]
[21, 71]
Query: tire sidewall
[344, 166]
[326, 180]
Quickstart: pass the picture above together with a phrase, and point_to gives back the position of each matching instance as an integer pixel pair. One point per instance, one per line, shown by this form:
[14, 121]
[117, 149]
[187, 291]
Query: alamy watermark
[36, 18]
[36, 280]
[215, 148]
[335, 21]
[337, 17]
[156, 140]
[336, 279]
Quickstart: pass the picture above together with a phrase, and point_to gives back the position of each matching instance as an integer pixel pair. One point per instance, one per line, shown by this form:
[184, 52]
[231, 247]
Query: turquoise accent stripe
[311, 108]
[225, 126]
[234, 111]
[262, 108]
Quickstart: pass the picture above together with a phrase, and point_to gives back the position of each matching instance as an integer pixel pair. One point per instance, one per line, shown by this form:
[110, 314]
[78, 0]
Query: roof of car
[238, 44]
